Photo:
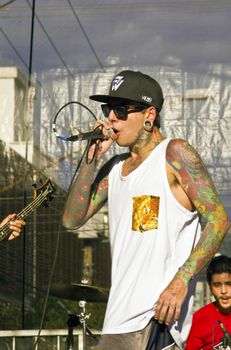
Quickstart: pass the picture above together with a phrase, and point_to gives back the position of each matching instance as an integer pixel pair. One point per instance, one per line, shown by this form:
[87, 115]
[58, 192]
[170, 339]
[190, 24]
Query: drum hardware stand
[82, 319]
[72, 322]
[83, 293]
[77, 320]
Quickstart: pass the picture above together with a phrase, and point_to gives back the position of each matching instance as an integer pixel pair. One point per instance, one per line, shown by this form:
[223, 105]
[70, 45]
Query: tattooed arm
[193, 188]
[88, 193]
[84, 197]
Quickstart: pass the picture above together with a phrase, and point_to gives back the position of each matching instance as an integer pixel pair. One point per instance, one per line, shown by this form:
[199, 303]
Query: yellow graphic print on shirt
[145, 213]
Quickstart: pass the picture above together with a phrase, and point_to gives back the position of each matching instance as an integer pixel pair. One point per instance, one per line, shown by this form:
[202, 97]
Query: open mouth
[115, 132]
[225, 300]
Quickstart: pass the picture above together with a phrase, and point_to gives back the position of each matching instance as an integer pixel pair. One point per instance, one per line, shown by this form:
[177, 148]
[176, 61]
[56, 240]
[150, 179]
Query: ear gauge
[148, 125]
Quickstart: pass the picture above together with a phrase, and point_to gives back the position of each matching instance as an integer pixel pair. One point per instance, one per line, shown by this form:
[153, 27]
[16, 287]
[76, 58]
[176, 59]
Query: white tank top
[151, 236]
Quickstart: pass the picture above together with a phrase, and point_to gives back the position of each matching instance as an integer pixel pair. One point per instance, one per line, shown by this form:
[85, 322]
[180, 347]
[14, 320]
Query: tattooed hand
[102, 146]
[168, 306]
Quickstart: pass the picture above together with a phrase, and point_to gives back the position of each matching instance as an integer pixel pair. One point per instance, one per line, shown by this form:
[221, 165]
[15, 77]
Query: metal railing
[54, 339]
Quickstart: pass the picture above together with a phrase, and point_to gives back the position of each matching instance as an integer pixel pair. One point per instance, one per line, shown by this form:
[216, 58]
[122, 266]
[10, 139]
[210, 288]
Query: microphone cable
[64, 138]
[49, 284]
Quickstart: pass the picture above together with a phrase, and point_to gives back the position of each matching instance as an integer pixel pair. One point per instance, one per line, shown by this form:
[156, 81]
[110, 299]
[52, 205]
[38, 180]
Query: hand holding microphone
[99, 139]
[62, 128]
[102, 140]
[96, 134]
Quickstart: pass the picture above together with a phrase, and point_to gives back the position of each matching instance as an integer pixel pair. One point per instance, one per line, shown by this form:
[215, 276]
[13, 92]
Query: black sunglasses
[121, 111]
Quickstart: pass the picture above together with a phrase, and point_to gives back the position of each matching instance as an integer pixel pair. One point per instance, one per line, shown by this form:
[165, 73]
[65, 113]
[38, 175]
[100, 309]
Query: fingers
[166, 312]
[106, 129]
[168, 306]
[101, 146]
[7, 219]
[16, 227]
[12, 236]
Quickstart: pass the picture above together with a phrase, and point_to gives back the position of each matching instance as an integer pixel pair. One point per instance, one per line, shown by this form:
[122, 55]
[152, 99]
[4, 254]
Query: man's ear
[152, 114]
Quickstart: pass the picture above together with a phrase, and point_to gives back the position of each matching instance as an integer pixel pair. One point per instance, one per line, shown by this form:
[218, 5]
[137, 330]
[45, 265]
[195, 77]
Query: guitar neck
[5, 230]
[31, 207]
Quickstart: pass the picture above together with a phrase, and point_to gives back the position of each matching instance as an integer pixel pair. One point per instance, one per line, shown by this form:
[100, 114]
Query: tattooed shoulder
[180, 154]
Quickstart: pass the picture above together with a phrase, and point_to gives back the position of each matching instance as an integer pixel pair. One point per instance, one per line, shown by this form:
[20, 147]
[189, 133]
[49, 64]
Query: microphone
[227, 336]
[95, 134]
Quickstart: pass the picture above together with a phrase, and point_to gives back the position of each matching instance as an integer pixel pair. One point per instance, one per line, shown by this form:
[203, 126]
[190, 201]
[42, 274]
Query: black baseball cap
[133, 86]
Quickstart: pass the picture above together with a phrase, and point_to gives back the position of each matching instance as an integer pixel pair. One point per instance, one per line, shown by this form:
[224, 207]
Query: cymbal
[75, 291]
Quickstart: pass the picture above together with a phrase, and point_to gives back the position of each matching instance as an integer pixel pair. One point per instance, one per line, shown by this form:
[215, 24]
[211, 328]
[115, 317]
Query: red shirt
[206, 332]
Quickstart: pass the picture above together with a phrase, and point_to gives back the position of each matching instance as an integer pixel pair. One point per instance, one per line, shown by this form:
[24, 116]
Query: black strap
[160, 337]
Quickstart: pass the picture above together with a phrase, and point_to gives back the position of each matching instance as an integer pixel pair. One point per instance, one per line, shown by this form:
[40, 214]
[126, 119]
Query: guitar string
[6, 228]
[25, 212]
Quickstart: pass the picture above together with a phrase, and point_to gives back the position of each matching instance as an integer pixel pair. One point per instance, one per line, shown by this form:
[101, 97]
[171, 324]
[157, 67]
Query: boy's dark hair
[219, 264]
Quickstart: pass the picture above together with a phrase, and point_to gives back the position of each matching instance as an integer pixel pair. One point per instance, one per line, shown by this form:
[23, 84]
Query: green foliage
[56, 316]
[10, 316]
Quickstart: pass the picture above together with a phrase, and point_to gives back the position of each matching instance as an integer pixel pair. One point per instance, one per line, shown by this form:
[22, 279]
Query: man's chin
[121, 143]
[224, 307]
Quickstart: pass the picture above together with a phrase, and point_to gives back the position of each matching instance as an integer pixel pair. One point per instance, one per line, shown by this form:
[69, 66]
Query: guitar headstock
[44, 190]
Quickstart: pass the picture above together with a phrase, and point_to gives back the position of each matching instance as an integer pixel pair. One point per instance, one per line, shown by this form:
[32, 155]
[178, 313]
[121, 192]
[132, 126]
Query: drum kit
[83, 293]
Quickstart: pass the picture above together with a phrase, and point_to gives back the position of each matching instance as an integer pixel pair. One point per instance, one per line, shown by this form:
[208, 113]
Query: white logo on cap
[117, 82]
[147, 99]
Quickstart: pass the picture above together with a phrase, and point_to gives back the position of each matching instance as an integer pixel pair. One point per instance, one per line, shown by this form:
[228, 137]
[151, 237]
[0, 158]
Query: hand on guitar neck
[15, 226]
[11, 226]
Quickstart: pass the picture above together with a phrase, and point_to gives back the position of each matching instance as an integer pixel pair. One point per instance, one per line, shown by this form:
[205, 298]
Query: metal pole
[26, 157]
